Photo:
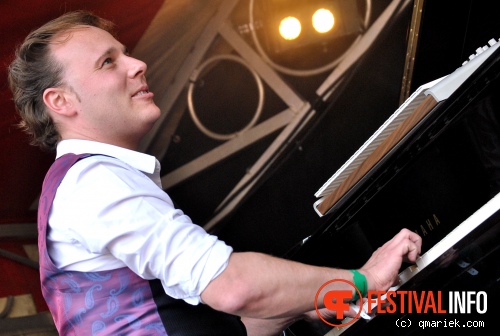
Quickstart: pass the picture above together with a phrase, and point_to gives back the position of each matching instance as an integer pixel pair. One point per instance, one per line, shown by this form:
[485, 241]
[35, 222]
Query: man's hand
[381, 270]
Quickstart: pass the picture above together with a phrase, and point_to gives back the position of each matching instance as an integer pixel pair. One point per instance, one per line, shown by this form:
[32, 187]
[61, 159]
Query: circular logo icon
[334, 300]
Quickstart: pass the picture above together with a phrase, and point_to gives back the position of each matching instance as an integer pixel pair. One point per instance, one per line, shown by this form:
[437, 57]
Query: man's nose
[137, 67]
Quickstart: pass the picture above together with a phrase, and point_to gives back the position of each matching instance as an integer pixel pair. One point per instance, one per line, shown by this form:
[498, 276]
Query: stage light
[308, 22]
[290, 28]
[323, 20]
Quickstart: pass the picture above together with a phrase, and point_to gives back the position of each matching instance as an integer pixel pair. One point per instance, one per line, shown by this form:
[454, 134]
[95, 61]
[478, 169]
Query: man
[116, 256]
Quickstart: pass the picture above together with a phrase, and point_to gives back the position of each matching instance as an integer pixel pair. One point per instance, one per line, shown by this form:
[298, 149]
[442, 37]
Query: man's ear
[59, 101]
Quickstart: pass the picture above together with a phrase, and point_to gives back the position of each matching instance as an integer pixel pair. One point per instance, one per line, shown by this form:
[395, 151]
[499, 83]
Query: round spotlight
[290, 28]
[323, 20]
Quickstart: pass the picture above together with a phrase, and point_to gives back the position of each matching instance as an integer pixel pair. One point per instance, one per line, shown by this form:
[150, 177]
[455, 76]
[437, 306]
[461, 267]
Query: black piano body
[444, 170]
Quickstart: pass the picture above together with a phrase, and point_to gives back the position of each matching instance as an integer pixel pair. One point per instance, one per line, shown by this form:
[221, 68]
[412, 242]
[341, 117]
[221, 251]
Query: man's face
[110, 94]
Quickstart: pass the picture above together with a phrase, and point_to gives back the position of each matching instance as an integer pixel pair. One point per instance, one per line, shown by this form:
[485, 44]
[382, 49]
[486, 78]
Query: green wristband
[360, 282]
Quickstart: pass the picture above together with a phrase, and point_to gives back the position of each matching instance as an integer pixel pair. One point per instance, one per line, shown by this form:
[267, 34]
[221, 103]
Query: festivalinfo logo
[400, 301]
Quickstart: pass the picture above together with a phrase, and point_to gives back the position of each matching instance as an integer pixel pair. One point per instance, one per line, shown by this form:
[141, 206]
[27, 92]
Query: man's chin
[149, 125]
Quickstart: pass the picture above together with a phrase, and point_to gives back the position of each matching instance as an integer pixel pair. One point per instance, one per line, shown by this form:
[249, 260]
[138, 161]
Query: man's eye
[107, 61]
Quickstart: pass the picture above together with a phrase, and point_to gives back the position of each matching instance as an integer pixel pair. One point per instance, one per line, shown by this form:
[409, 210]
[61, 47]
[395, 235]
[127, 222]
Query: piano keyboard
[440, 249]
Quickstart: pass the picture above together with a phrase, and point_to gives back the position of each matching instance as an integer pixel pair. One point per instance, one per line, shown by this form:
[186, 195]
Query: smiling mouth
[140, 93]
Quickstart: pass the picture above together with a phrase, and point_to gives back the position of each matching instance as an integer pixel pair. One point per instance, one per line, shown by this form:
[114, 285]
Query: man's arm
[261, 286]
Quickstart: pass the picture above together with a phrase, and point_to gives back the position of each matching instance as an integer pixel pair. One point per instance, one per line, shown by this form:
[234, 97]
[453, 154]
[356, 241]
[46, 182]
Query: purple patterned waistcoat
[116, 302]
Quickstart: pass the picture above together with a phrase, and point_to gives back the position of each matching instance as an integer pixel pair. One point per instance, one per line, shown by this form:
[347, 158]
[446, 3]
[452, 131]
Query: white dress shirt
[110, 212]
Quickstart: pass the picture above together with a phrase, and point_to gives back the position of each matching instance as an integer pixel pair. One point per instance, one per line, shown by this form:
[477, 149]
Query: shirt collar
[143, 162]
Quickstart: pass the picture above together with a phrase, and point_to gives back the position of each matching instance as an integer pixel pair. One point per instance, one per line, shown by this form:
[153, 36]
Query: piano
[434, 168]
